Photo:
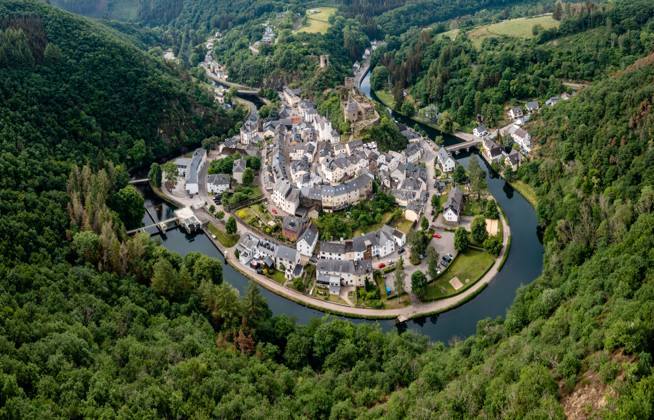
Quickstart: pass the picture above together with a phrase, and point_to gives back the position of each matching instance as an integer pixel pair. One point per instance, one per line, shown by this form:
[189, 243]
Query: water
[522, 266]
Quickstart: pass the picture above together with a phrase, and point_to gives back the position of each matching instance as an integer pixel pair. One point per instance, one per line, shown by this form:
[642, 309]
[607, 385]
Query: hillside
[95, 324]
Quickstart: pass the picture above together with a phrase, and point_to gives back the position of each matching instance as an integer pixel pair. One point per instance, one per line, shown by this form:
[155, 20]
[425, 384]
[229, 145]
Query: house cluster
[259, 253]
[349, 263]
[268, 38]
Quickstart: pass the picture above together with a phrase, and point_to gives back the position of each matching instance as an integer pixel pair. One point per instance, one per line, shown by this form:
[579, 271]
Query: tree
[491, 211]
[408, 109]
[424, 223]
[432, 263]
[419, 284]
[418, 241]
[446, 122]
[207, 269]
[399, 276]
[435, 201]
[164, 278]
[459, 176]
[461, 239]
[129, 204]
[379, 78]
[230, 226]
[154, 175]
[248, 176]
[477, 177]
[170, 172]
[255, 308]
[493, 245]
[478, 228]
[137, 152]
[87, 246]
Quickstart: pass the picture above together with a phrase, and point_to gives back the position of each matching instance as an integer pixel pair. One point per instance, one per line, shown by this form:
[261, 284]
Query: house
[238, 170]
[286, 197]
[446, 162]
[453, 206]
[480, 131]
[532, 106]
[193, 173]
[491, 150]
[552, 101]
[566, 96]
[512, 160]
[379, 244]
[522, 138]
[286, 259]
[291, 96]
[182, 166]
[218, 183]
[292, 227]
[334, 273]
[351, 110]
[515, 112]
[413, 152]
[306, 244]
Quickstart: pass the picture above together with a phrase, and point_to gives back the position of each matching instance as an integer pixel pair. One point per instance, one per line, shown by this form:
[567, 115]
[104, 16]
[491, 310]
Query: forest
[98, 324]
[465, 81]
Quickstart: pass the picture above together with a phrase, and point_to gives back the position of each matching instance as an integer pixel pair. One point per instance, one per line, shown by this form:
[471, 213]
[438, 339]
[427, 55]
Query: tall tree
[399, 276]
[461, 239]
[478, 229]
[419, 284]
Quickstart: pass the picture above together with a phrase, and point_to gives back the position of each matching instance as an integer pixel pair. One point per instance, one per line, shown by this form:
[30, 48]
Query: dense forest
[467, 81]
[96, 324]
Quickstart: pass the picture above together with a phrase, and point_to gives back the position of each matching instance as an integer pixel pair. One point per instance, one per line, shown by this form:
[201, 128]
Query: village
[279, 178]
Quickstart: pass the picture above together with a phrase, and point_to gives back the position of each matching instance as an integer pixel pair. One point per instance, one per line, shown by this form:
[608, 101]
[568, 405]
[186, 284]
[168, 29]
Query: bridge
[465, 145]
[244, 90]
[139, 181]
[162, 226]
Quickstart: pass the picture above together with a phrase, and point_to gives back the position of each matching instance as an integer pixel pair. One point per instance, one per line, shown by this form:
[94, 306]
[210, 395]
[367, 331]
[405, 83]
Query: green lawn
[278, 276]
[318, 23]
[527, 192]
[224, 238]
[520, 28]
[470, 265]
[452, 34]
[385, 219]
[386, 98]
[404, 225]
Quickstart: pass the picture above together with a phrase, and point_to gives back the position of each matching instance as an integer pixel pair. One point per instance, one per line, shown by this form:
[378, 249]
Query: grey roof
[285, 253]
[239, 165]
[310, 235]
[292, 223]
[218, 179]
[348, 267]
[413, 148]
[196, 161]
[182, 161]
[454, 200]
[532, 105]
[333, 247]
[514, 157]
[442, 155]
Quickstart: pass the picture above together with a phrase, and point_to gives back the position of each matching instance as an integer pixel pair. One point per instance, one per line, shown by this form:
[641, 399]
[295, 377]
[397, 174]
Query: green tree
[87, 246]
[408, 109]
[207, 269]
[491, 211]
[154, 175]
[230, 226]
[493, 245]
[424, 223]
[459, 176]
[380, 78]
[170, 172]
[255, 308]
[419, 284]
[461, 240]
[446, 122]
[129, 204]
[477, 177]
[478, 229]
[248, 176]
[164, 278]
[137, 152]
[432, 263]
[399, 276]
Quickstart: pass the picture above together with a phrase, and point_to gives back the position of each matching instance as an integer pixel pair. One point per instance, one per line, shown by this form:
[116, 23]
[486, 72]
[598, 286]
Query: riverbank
[527, 192]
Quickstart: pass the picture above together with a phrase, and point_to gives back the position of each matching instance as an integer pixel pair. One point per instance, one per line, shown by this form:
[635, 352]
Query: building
[348, 193]
[512, 160]
[286, 260]
[379, 244]
[515, 112]
[193, 173]
[446, 162]
[522, 138]
[292, 227]
[413, 152]
[182, 166]
[218, 183]
[532, 106]
[238, 170]
[351, 110]
[291, 96]
[480, 131]
[453, 206]
[552, 101]
[491, 150]
[307, 242]
[334, 274]
[286, 197]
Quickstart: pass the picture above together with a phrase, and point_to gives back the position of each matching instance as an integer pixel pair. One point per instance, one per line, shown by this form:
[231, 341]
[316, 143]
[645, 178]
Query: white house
[306, 244]
[218, 183]
[182, 166]
[532, 106]
[453, 206]
[446, 162]
[193, 174]
[286, 259]
[522, 138]
[480, 131]
[345, 273]
[286, 197]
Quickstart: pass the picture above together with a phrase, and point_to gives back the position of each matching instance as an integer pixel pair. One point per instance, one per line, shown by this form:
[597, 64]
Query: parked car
[381, 265]
[437, 235]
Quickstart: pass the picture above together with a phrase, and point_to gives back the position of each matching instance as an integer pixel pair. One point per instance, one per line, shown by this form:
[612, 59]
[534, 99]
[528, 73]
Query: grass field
[468, 267]
[224, 238]
[385, 219]
[452, 34]
[404, 225]
[527, 192]
[318, 23]
[520, 28]
[386, 98]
